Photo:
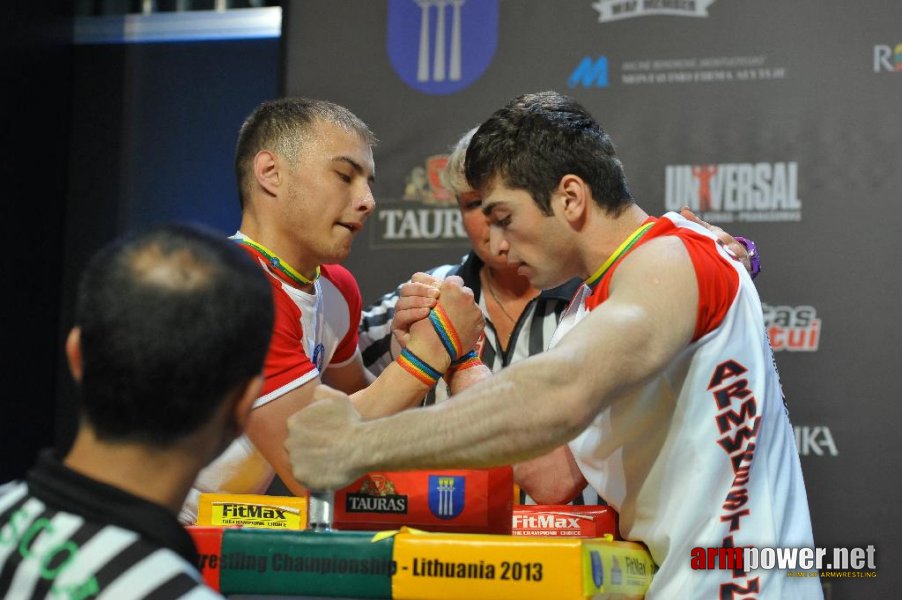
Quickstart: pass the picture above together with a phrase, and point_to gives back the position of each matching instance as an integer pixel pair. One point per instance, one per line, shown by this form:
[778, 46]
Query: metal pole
[320, 511]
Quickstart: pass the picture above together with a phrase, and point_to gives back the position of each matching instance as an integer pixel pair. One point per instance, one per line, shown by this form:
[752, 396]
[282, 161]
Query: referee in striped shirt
[519, 319]
[171, 330]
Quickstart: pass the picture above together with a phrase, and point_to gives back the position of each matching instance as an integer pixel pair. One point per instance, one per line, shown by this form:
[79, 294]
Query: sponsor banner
[565, 521]
[478, 500]
[596, 72]
[335, 563]
[616, 10]
[792, 328]
[741, 192]
[249, 510]
[493, 567]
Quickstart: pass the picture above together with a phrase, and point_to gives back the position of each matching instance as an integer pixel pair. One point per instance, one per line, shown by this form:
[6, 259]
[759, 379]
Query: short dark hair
[281, 126]
[535, 140]
[171, 320]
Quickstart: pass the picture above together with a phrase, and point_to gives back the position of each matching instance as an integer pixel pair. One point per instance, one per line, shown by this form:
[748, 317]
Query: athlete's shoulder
[341, 277]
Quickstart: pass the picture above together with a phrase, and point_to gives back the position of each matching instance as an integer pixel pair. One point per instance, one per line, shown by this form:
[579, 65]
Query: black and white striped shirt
[64, 535]
[531, 335]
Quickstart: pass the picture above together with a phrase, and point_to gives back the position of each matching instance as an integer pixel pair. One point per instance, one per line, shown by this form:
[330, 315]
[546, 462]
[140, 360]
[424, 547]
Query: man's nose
[367, 201]
[498, 246]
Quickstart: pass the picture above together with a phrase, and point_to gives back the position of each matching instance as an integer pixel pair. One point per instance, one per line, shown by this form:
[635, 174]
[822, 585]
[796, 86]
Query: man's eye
[344, 177]
[502, 221]
[472, 204]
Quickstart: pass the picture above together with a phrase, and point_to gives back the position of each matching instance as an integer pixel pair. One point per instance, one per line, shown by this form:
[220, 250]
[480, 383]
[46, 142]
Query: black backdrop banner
[780, 121]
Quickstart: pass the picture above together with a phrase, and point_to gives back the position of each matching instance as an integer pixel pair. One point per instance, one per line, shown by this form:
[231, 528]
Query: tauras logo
[614, 10]
[420, 224]
[815, 440]
[792, 328]
[428, 213]
[548, 521]
[357, 503]
[376, 494]
[729, 192]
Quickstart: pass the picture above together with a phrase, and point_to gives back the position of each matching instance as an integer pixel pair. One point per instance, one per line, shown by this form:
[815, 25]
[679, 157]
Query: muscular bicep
[648, 318]
[266, 428]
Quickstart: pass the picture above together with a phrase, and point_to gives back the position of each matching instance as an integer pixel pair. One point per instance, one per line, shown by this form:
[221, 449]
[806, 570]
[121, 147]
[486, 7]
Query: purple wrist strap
[752, 249]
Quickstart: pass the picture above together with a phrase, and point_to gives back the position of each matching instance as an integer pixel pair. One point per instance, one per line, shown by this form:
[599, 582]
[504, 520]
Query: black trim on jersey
[79, 537]
[9, 569]
[178, 586]
[127, 558]
[5, 515]
[377, 320]
[61, 488]
[14, 560]
[376, 349]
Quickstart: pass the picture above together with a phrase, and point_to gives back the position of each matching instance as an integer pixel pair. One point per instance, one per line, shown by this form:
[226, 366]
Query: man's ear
[573, 197]
[244, 403]
[73, 353]
[267, 171]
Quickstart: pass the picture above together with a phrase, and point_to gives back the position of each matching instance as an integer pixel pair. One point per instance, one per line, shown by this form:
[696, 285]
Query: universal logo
[727, 192]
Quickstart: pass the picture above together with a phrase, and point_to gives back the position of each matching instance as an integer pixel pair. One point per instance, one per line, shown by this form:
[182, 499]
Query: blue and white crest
[446, 495]
[318, 356]
[441, 46]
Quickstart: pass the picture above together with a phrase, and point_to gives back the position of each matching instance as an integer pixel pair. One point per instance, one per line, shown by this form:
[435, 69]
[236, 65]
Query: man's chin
[545, 282]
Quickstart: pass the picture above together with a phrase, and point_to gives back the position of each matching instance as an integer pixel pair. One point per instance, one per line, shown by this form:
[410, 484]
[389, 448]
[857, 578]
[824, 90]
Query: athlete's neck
[604, 234]
[280, 245]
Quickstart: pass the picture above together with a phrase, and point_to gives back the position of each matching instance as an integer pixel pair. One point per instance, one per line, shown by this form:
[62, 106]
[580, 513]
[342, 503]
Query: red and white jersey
[704, 454]
[311, 332]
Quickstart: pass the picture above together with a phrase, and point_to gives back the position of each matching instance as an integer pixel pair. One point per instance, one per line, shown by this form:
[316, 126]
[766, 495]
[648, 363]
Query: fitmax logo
[590, 73]
[888, 59]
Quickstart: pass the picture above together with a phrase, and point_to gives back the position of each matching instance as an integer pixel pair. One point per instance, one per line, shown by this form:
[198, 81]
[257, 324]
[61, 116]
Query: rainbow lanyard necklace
[276, 263]
[620, 251]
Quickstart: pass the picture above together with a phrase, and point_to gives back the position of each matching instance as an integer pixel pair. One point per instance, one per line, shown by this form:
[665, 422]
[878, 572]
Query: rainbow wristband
[446, 332]
[417, 367]
[467, 361]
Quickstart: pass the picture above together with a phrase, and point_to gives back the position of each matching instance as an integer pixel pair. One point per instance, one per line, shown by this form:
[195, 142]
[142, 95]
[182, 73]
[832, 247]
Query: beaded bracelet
[418, 367]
